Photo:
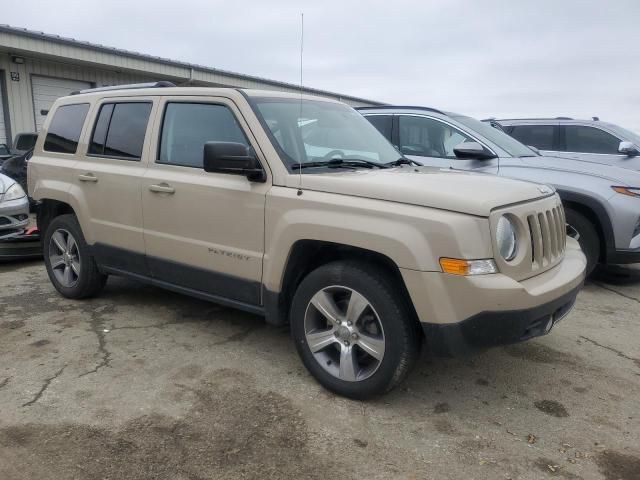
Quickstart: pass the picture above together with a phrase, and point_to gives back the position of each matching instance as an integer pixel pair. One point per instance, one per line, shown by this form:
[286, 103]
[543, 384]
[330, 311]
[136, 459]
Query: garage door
[3, 127]
[47, 90]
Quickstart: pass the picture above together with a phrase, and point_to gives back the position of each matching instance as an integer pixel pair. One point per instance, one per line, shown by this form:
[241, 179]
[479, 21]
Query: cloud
[489, 58]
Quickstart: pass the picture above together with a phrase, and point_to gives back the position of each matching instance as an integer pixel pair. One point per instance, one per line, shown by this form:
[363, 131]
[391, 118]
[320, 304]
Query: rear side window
[382, 123]
[590, 140]
[120, 130]
[186, 127]
[539, 136]
[65, 128]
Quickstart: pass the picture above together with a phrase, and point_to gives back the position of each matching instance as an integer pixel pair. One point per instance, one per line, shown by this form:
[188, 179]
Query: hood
[464, 192]
[5, 183]
[621, 176]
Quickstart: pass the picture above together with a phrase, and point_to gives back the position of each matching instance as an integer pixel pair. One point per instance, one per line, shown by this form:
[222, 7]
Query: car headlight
[14, 192]
[629, 191]
[506, 238]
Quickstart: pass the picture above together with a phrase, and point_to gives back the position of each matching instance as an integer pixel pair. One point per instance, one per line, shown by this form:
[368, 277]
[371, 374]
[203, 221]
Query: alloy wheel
[64, 258]
[344, 333]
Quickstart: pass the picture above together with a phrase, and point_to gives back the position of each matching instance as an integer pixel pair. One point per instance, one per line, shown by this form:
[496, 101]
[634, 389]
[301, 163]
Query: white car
[14, 207]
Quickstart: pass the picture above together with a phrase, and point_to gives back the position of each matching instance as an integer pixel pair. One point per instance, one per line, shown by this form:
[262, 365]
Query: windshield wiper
[403, 161]
[340, 162]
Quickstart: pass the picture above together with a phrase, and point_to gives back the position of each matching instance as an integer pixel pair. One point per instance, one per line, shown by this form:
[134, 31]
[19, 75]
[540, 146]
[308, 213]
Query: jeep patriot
[297, 209]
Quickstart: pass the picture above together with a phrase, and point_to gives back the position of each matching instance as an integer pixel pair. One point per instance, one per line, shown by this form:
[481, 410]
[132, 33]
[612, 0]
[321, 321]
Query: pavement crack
[4, 382]
[45, 385]
[613, 290]
[98, 327]
[611, 349]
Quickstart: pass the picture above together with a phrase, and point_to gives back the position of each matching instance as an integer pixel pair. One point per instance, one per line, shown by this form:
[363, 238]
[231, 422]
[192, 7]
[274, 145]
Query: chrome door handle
[87, 177]
[162, 188]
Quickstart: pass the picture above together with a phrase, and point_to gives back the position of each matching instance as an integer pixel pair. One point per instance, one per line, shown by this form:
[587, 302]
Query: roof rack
[526, 118]
[132, 86]
[407, 107]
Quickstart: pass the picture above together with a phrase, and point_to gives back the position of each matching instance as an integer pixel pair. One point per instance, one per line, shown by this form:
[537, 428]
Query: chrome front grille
[548, 233]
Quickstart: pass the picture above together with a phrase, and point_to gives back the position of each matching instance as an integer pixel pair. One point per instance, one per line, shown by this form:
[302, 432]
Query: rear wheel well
[593, 218]
[308, 255]
[50, 209]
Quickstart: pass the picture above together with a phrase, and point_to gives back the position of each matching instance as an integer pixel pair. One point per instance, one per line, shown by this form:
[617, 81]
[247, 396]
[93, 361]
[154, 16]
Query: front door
[593, 144]
[204, 232]
[431, 142]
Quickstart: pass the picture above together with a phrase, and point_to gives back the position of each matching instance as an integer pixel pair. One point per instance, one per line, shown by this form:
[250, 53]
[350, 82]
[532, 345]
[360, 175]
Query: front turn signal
[456, 266]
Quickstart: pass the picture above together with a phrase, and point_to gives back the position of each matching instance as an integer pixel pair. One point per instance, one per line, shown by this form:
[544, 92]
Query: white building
[36, 68]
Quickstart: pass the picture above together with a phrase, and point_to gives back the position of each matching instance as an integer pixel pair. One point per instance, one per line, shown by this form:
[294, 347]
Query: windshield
[497, 136]
[305, 131]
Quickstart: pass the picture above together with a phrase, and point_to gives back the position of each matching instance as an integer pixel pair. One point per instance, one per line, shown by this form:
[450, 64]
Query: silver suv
[587, 140]
[602, 202]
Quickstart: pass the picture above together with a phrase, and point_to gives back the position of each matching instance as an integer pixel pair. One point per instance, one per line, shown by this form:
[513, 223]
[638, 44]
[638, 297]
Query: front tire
[70, 266]
[353, 329]
[583, 230]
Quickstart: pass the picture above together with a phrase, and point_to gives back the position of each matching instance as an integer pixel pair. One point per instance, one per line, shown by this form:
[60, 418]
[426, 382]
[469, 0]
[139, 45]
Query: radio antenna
[300, 115]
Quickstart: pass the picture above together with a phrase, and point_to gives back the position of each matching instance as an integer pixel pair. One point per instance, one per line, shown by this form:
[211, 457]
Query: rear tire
[579, 226]
[364, 337]
[70, 266]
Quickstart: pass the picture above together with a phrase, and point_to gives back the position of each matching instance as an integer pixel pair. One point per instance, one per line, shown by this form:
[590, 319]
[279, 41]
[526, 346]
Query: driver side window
[427, 137]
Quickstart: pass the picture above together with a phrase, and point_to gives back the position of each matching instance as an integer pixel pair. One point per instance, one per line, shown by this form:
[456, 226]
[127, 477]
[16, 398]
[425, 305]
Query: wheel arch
[48, 209]
[595, 212]
[306, 256]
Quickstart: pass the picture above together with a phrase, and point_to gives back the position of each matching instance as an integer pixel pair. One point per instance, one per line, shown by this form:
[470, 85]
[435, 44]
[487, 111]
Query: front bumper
[491, 329]
[461, 314]
[14, 216]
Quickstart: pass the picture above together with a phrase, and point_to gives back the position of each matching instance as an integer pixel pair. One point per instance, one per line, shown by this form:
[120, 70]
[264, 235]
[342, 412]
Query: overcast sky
[483, 58]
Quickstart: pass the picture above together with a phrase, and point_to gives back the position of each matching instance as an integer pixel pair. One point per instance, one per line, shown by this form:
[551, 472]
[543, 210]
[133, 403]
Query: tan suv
[297, 209]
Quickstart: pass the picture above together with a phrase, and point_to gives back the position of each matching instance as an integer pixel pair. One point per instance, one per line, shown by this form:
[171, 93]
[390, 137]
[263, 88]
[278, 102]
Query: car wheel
[71, 268]
[581, 229]
[353, 329]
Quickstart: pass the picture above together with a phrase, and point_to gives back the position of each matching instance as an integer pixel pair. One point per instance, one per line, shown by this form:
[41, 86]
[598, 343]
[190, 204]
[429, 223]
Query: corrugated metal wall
[20, 104]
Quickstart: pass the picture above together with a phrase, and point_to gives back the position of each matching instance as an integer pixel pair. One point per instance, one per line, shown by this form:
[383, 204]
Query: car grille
[548, 233]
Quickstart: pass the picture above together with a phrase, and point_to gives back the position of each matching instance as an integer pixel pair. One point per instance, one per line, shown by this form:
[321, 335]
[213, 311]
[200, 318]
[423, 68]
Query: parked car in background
[602, 202]
[14, 208]
[23, 142]
[588, 140]
[15, 167]
[295, 208]
[5, 152]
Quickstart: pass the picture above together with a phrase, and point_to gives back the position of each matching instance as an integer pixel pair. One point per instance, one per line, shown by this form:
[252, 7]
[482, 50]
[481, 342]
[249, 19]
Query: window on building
[120, 130]
[186, 127]
[382, 123]
[65, 128]
[539, 136]
[428, 137]
[590, 140]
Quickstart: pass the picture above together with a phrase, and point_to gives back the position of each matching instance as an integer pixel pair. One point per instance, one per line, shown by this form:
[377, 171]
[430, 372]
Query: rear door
[47, 90]
[107, 181]
[204, 232]
[431, 141]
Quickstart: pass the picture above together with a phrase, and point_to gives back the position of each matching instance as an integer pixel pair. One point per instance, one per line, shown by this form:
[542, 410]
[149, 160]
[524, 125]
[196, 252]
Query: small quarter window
[120, 130]
[65, 128]
[382, 123]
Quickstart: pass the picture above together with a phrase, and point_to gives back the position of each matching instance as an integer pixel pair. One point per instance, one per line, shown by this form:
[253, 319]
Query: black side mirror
[472, 151]
[233, 158]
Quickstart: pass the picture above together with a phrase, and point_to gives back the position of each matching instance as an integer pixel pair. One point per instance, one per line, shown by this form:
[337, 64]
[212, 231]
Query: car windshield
[497, 136]
[305, 131]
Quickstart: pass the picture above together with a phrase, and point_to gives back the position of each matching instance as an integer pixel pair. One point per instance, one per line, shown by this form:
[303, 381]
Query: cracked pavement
[142, 383]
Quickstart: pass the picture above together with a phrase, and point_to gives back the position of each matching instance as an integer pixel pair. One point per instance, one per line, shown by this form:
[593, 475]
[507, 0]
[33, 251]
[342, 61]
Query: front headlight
[629, 191]
[14, 192]
[506, 239]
